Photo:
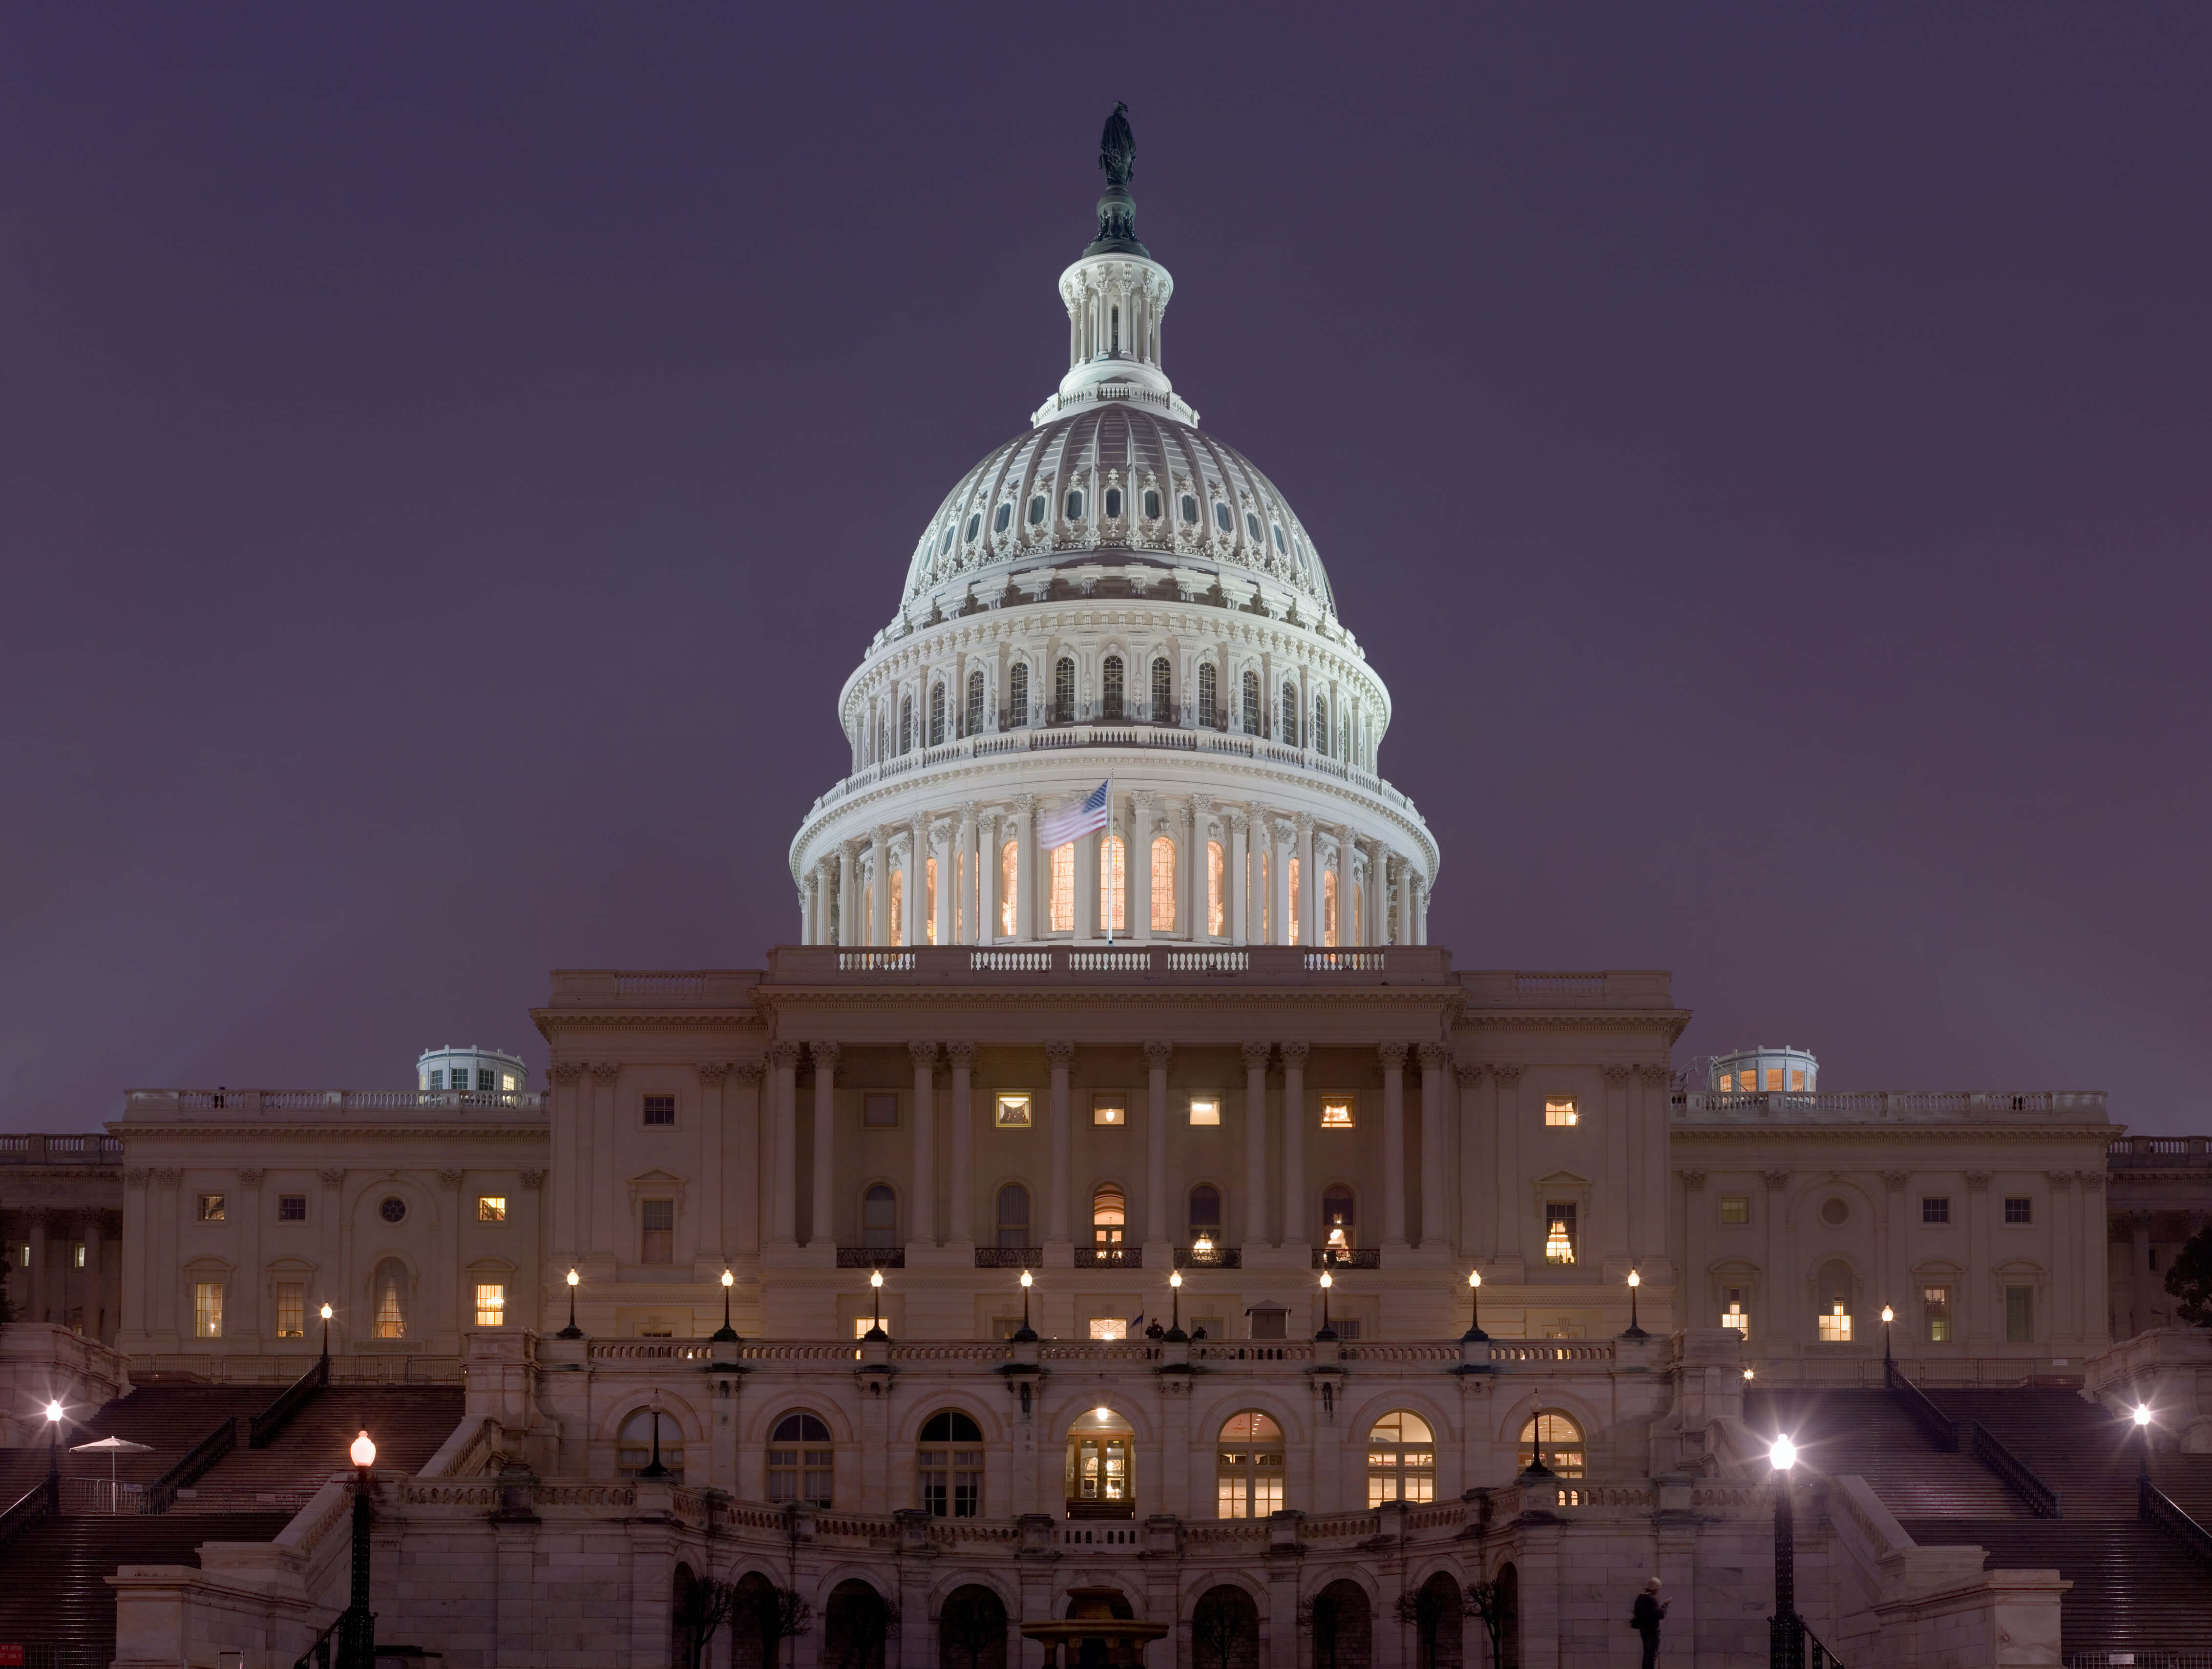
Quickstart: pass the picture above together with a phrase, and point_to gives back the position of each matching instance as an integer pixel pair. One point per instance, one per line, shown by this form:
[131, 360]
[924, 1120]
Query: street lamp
[876, 1304]
[54, 1417]
[652, 1468]
[1888, 1315]
[1785, 1642]
[572, 1330]
[357, 1627]
[728, 1334]
[1634, 1331]
[1174, 1298]
[1474, 1334]
[326, 1331]
[2140, 1416]
[1028, 1334]
[1327, 1282]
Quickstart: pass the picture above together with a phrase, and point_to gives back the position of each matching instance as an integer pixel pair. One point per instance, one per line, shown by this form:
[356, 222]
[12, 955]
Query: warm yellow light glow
[875, 1278]
[326, 1312]
[1558, 1244]
[1175, 1279]
[1783, 1455]
[1327, 1280]
[363, 1451]
[728, 1279]
[573, 1278]
[1102, 1413]
[1888, 1315]
[1027, 1279]
[54, 1411]
[1203, 1243]
[1634, 1279]
[1749, 1374]
[2142, 1415]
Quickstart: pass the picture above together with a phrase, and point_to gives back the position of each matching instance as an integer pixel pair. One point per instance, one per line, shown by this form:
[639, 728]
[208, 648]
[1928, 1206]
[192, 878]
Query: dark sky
[451, 456]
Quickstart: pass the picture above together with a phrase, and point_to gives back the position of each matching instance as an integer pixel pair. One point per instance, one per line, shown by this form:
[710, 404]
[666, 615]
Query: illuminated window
[2020, 1315]
[1835, 1326]
[898, 907]
[1557, 1440]
[1935, 1208]
[1063, 691]
[1336, 1113]
[291, 1309]
[1796, 1079]
[1114, 882]
[952, 1466]
[1560, 1110]
[1206, 1109]
[1110, 1217]
[1735, 1314]
[1773, 1078]
[76, 1254]
[211, 1208]
[1110, 1109]
[1013, 1110]
[1296, 898]
[1338, 1224]
[1559, 1232]
[2018, 1208]
[1936, 1309]
[291, 1208]
[929, 900]
[1098, 1458]
[658, 1220]
[1735, 1208]
[1164, 884]
[1063, 889]
[388, 1312]
[1728, 1082]
[660, 1109]
[491, 1303]
[1251, 703]
[1014, 1218]
[1108, 1329]
[1209, 696]
[799, 1460]
[1328, 907]
[879, 1227]
[1216, 890]
[492, 1208]
[207, 1309]
[1110, 687]
[1248, 1470]
[1401, 1459]
[1010, 860]
[1162, 691]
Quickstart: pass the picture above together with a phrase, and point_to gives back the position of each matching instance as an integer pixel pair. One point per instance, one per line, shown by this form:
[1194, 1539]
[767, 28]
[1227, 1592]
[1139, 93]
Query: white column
[1256, 1143]
[941, 848]
[1347, 862]
[914, 899]
[824, 1232]
[1156, 1056]
[1376, 928]
[923, 1217]
[1394, 1143]
[1404, 878]
[971, 878]
[1139, 889]
[1233, 878]
[1062, 1056]
[961, 1230]
[1279, 901]
[1308, 916]
[1420, 910]
[879, 882]
[1436, 1059]
[1197, 868]
[1296, 1124]
[1025, 869]
[783, 1060]
[850, 928]
[986, 880]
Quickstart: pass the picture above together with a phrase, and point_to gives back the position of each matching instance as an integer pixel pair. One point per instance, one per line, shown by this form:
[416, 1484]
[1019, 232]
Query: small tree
[2190, 1279]
[1489, 1601]
[703, 1605]
[971, 1623]
[867, 1620]
[1323, 1617]
[1217, 1630]
[1427, 1609]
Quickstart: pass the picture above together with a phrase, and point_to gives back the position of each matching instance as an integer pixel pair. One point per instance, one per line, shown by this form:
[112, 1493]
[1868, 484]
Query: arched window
[1004, 520]
[974, 526]
[1251, 703]
[1110, 1217]
[974, 704]
[1328, 907]
[906, 724]
[1036, 510]
[1164, 884]
[634, 1444]
[1014, 1218]
[1557, 1440]
[1114, 882]
[1063, 889]
[1321, 726]
[898, 905]
[1163, 692]
[1339, 1229]
[1222, 518]
[1151, 504]
[1010, 863]
[952, 1466]
[1247, 1468]
[1205, 1214]
[1017, 694]
[1190, 509]
[1109, 688]
[1098, 1465]
[1209, 696]
[1063, 691]
[390, 1287]
[1113, 504]
[1074, 505]
[1252, 523]
[1833, 1292]
[879, 1217]
[1401, 1459]
[937, 715]
[1290, 737]
[929, 901]
[799, 1460]
[1216, 889]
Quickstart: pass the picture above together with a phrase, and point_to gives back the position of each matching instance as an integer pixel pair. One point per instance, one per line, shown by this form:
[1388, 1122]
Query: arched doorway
[971, 1629]
[756, 1624]
[1439, 1623]
[1102, 1480]
[855, 1625]
[683, 1633]
[1342, 1624]
[1225, 1630]
[1497, 1608]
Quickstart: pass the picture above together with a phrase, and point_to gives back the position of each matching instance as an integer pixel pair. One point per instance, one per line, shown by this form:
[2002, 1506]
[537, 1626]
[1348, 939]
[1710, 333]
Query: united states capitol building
[1111, 1205]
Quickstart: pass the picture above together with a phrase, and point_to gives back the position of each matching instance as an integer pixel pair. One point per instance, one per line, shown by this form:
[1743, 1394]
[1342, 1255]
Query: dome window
[1075, 504]
[1111, 687]
[1251, 525]
[1037, 511]
[1017, 694]
[1279, 545]
[1063, 691]
[974, 526]
[1113, 503]
[1190, 509]
[1222, 518]
[1151, 504]
[1004, 520]
[946, 543]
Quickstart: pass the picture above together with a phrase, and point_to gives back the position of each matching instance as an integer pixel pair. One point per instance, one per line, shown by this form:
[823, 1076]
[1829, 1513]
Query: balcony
[871, 1257]
[1030, 966]
[74, 1151]
[1347, 1256]
[1009, 1257]
[1905, 1106]
[2159, 1153]
[1109, 1257]
[1209, 1256]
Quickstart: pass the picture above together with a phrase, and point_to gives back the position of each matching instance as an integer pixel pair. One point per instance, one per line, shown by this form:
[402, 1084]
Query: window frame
[956, 1460]
[1333, 1099]
[810, 1457]
[1392, 1472]
[2027, 1218]
[1936, 1210]
[212, 1208]
[870, 1100]
[492, 1208]
[1727, 1222]
[652, 1103]
[1113, 1102]
[285, 1213]
[1003, 1101]
[1251, 1471]
[1212, 1100]
[1570, 1106]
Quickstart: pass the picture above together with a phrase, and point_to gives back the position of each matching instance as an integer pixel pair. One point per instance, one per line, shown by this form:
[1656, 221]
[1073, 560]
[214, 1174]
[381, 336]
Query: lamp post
[326, 1331]
[2140, 1416]
[727, 1334]
[1174, 1299]
[1028, 1334]
[652, 1468]
[1635, 1331]
[876, 1306]
[1474, 1334]
[1327, 1282]
[1786, 1640]
[54, 1415]
[572, 1330]
[1888, 1315]
[357, 1627]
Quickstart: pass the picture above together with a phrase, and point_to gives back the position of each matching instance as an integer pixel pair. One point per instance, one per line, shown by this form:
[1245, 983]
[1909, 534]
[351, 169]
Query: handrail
[1941, 1428]
[2154, 1505]
[1819, 1657]
[273, 1419]
[34, 1503]
[162, 1494]
[317, 1655]
[1990, 1449]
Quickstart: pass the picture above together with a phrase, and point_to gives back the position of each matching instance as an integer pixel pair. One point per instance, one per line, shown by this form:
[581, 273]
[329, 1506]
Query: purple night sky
[451, 456]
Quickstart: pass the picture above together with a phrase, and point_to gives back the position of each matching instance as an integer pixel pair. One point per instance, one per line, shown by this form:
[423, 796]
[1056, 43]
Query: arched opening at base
[1342, 1624]
[1225, 1630]
[971, 1629]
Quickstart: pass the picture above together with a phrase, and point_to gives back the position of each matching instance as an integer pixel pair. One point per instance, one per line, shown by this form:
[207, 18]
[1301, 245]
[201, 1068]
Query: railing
[34, 1149]
[2159, 1153]
[27, 1509]
[1986, 1447]
[1209, 1256]
[1157, 963]
[162, 1494]
[2154, 1506]
[871, 1257]
[334, 1103]
[317, 1656]
[102, 1498]
[1109, 1257]
[1892, 1105]
[1941, 1428]
[351, 1368]
[1009, 1257]
[1347, 1256]
[295, 1396]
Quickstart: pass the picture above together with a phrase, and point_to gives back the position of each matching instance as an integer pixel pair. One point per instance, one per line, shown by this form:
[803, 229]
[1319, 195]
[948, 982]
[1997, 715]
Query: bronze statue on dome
[1117, 148]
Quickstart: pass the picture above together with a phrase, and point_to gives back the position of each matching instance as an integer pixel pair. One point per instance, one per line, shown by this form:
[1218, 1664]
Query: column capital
[922, 1052]
[1201, 804]
[1240, 820]
[1618, 1074]
[783, 1054]
[1143, 798]
[533, 1180]
[606, 1070]
[450, 1180]
[1775, 1181]
[1255, 1056]
[1506, 1072]
[1301, 823]
[168, 1176]
[1392, 1055]
[1156, 1056]
[134, 1178]
[749, 1071]
[1694, 1180]
[1977, 1182]
[2091, 1182]
[1470, 1073]
[332, 1178]
[1656, 1071]
[2061, 1181]
[714, 1071]
[1060, 1056]
[1894, 1181]
[251, 1179]
[1024, 804]
[962, 1055]
[1435, 1057]
[565, 1071]
[1294, 1053]
[823, 1053]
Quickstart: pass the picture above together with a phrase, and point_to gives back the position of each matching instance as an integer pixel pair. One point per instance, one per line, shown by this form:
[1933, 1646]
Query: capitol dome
[1116, 619]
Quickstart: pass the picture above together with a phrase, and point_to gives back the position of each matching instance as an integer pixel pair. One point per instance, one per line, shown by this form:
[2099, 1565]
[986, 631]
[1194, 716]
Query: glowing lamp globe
[728, 1279]
[2142, 1415]
[875, 1278]
[54, 1411]
[326, 1312]
[1783, 1455]
[1027, 1279]
[363, 1451]
[1175, 1279]
[575, 1279]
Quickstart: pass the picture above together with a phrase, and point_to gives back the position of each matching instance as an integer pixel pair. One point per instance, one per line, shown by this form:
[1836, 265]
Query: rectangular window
[952, 1481]
[1935, 1208]
[1773, 1078]
[1164, 884]
[1727, 1083]
[207, 1309]
[1559, 1232]
[660, 1109]
[1560, 1110]
[1737, 1313]
[1206, 1109]
[2019, 1208]
[491, 1303]
[879, 1109]
[1013, 1111]
[76, 1254]
[492, 1208]
[211, 1208]
[2020, 1315]
[438, 1078]
[291, 1208]
[506, 1084]
[1109, 1328]
[1217, 891]
[1735, 1208]
[658, 1218]
[1835, 1326]
[291, 1309]
[1063, 889]
[1935, 1306]
[1346, 1327]
[1110, 1109]
[1796, 1079]
[1336, 1113]
[487, 1080]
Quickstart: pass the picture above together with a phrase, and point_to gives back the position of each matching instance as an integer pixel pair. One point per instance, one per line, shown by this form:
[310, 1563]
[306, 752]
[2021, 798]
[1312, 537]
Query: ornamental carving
[1618, 1074]
[1775, 1181]
[714, 1071]
[1471, 1074]
[2061, 1181]
[749, 1071]
[783, 1055]
[1294, 1055]
[1977, 1182]
[1657, 1074]
[962, 1055]
[1508, 1076]
[606, 1070]
[533, 1180]
[565, 1073]
[250, 1179]
[1435, 1057]
[1256, 1056]
[169, 1178]
[923, 1054]
[1693, 1180]
[1060, 1056]
[332, 1178]
[1393, 1056]
[1156, 1056]
[1895, 1181]
[134, 1179]
[823, 1053]
[450, 1179]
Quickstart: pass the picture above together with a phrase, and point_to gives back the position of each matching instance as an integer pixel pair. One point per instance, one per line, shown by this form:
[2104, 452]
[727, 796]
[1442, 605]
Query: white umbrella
[111, 1447]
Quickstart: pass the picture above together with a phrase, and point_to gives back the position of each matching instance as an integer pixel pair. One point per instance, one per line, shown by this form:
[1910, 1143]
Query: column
[913, 891]
[1511, 1211]
[1197, 869]
[1436, 1062]
[879, 884]
[971, 876]
[823, 1231]
[712, 1076]
[1090, 920]
[1296, 1125]
[1232, 879]
[1347, 864]
[2058, 1323]
[1694, 1298]
[1900, 1297]
[37, 1302]
[1282, 906]
[848, 909]
[1375, 929]
[806, 908]
[1025, 859]
[1140, 867]
[1781, 1291]
[1062, 1057]
[1979, 1332]
[1404, 877]
[1256, 1143]
[1308, 916]
[986, 880]
[1394, 1143]
[1420, 909]
[1468, 1172]
[95, 1291]
[783, 1061]
[1618, 1181]
[961, 1230]
[741, 1167]
[924, 1056]
[608, 1228]
[2096, 1244]
[138, 1235]
[1156, 1056]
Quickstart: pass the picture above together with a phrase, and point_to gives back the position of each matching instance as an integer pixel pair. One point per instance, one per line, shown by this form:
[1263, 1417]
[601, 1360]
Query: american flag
[1071, 823]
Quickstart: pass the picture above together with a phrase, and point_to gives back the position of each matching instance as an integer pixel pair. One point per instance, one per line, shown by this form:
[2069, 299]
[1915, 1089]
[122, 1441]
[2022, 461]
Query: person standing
[1648, 1613]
